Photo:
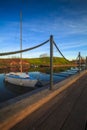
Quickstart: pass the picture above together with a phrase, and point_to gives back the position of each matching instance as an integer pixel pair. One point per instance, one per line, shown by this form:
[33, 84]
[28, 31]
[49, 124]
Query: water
[8, 91]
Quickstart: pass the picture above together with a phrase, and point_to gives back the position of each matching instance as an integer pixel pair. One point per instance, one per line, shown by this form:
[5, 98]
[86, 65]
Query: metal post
[79, 61]
[51, 62]
[21, 41]
[86, 62]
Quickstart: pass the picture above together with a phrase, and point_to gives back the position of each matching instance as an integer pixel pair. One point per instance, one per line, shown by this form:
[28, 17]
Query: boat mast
[21, 41]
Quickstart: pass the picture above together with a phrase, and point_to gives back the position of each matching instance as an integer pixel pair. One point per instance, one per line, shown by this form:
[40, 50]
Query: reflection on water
[17, 89]
[8, 91]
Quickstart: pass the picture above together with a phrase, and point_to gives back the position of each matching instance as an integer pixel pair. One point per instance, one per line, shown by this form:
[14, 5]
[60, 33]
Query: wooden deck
[67, 111]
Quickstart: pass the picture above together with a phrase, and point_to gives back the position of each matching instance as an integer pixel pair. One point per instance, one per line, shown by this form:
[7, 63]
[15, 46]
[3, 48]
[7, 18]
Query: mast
[21, 41]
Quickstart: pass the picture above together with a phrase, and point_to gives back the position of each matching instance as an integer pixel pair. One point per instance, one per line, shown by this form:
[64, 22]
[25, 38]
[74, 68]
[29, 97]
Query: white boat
[20, 79]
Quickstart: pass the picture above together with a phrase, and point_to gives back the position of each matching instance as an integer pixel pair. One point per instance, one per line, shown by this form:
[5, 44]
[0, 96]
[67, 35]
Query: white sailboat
[20, 78]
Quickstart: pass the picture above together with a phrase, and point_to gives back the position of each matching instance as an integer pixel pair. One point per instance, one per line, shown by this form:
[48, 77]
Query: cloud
[73, 46]
[58, 25]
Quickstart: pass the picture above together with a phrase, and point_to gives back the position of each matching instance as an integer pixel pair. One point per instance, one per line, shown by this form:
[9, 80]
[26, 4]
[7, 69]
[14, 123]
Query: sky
[66, 20]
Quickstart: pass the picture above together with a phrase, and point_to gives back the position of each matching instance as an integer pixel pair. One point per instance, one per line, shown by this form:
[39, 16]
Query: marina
[23, 112]
[9, 91]
[43, 65]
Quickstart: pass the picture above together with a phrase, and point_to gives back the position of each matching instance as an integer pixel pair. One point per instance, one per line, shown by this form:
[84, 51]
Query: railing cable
[28, 49]
[60, 52]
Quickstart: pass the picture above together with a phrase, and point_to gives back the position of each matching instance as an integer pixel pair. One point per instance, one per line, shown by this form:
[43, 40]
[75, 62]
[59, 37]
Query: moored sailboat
[20, 78]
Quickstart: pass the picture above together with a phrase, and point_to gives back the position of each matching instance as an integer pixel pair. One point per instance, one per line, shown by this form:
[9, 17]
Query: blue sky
[66, 20]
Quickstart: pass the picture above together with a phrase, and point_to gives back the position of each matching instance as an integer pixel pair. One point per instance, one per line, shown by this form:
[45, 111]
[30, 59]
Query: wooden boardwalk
[67, 111]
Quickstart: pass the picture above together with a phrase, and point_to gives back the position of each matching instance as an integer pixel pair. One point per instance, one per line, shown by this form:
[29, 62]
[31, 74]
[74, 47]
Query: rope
[82, 59]
[60, 52]
[28, 49]
[77, 57]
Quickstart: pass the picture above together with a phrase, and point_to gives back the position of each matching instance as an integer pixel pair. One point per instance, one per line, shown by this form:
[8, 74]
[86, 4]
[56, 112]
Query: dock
[63, 108]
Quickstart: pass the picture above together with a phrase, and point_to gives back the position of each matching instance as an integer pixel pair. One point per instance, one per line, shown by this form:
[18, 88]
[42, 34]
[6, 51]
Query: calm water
[8, 91]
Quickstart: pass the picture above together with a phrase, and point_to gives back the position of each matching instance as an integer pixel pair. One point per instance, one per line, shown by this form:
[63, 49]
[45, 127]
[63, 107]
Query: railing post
[51, 62]
[86, 62]
[79, 62]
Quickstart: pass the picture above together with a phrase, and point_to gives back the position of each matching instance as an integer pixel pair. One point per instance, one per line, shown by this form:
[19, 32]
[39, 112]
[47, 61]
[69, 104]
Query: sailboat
[20, 78]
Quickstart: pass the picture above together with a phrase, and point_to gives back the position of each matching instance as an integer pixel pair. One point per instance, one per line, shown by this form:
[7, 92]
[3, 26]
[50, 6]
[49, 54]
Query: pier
[64, 108]
[60, 106]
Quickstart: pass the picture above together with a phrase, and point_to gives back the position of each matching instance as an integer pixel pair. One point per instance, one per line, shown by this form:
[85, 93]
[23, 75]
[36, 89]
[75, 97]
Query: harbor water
[9, 91]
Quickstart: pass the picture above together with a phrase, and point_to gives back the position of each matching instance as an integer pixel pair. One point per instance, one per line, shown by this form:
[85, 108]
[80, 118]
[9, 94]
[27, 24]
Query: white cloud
[67, 46]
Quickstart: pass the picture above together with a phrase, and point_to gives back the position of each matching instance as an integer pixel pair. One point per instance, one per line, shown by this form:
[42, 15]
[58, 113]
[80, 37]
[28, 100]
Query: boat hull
[21, 82]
